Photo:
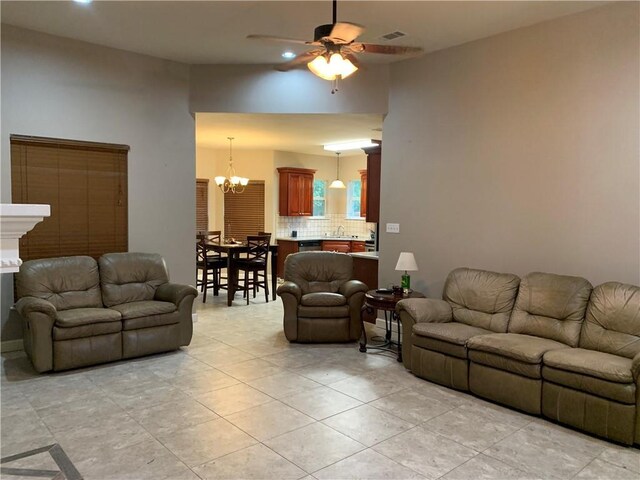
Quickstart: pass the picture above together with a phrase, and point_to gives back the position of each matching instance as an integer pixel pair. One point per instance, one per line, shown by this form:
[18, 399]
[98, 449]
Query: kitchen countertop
[366, 255]
[306, 239]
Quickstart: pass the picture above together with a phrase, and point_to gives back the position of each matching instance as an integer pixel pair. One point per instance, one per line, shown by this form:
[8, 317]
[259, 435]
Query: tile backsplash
[320, 227]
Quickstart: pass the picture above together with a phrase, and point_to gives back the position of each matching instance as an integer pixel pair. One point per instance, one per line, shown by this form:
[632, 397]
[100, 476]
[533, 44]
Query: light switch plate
[393, 228]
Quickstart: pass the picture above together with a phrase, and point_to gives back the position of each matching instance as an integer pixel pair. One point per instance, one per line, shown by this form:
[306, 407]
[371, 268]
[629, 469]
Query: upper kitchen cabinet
[296, 192]
[370, 197]
[363, 193]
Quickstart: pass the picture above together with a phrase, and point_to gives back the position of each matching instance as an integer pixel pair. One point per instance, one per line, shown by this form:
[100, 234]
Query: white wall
[62, 88]
[518, 153]
[261, 89]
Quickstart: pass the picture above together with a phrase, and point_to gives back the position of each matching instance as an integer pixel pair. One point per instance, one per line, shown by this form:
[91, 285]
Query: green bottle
[406, 283]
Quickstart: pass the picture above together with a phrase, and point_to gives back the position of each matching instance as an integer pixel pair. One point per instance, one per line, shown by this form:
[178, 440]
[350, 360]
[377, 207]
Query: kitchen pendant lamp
[231, 183]
[337, 183]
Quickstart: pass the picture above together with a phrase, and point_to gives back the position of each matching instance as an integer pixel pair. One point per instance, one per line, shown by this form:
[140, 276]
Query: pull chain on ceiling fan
[334, 55]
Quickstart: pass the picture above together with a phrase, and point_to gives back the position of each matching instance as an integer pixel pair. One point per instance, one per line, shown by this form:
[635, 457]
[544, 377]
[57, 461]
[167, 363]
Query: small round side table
[386, 301]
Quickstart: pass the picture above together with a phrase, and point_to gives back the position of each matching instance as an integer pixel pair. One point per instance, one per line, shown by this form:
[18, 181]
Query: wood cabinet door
[357, 246]
[285, 248]
[306, 195]
[363, 193]
[336, 246]
[374, 167]
[294, 201]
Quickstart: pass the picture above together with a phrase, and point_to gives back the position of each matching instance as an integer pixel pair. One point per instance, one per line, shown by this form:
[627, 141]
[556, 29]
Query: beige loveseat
[77, 312]
[321, 300]
[548, 344]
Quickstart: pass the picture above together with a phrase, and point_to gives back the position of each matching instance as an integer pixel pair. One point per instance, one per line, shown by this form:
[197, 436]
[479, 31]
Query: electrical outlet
[393, 228]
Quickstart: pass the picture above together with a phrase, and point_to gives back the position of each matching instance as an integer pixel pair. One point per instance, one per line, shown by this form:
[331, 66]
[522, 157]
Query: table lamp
[406, 262]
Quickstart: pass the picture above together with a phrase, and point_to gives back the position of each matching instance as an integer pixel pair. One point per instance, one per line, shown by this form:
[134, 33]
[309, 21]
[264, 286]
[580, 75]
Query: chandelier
[231, 183]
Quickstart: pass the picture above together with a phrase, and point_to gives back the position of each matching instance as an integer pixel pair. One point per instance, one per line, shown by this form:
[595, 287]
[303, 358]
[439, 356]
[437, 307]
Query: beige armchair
[321, 301]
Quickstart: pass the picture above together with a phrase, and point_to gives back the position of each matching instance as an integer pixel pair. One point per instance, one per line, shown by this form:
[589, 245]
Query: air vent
[394, 35]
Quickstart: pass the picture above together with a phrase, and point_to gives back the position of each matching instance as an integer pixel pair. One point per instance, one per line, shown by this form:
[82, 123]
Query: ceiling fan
[333, 56]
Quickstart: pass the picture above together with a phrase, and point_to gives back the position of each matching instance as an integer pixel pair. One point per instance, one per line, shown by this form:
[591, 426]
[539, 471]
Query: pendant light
[337, 183]
[231, 183]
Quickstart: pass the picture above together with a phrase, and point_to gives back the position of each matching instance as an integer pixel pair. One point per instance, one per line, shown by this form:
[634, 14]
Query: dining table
[233, 252]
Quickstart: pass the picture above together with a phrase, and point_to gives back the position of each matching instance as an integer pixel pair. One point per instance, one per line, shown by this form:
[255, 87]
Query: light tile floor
[241, 402]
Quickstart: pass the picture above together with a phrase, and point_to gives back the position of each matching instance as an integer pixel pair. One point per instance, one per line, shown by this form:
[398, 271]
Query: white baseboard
[12, 346]
[194, 317]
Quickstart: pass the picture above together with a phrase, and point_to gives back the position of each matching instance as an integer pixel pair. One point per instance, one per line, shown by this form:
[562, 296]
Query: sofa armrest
[290, 288]
[290, 293]
[415, 310]
[635, 368]
[426, 310]
[27, 305]
[37, 317]
[174, 292]
[351, 287]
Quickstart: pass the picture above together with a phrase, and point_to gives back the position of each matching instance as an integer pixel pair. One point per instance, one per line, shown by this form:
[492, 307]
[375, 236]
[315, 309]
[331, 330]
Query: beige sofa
[77, 312]
[548, 344]
[321, 300]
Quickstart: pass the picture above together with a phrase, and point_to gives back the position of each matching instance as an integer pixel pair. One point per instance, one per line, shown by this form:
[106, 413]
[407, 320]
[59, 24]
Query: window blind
[86, 185]
[244, 212]
[202, 204]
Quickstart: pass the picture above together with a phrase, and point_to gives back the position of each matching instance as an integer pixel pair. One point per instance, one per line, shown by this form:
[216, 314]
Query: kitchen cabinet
[374, 167]
[342, 246]
[357, 246]
[295, 191]
[363, 193]
[285, 248]
[365, 269]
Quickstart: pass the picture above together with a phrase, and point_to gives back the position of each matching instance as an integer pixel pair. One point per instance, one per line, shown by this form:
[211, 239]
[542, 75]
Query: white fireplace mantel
[16, 220]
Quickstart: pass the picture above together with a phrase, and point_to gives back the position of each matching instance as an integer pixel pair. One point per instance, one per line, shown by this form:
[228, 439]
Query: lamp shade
[407, 262]
[337, 184]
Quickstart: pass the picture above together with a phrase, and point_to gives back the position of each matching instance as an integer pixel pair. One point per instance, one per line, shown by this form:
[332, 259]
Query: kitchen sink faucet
[338, 231]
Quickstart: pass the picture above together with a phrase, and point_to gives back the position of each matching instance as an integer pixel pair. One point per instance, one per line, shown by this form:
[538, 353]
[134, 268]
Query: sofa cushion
[130, 277]
[589, 362]
[524, 348]
[341, 311]
[143, 309]
[318, 271]
[151, 321]
[480, 298]
[83, 331]
[612, 323]
[620, 392]
[499, 362]
[551, 306]
[323, 299]
[86, 316]
[66, 282]
[449, 338]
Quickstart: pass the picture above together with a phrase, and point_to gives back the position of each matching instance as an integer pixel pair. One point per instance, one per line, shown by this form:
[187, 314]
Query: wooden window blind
[86, 185]
[202, 204]
[244, 212]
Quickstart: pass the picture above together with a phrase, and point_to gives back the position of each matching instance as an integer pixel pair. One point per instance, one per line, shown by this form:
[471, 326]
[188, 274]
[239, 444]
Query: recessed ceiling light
[83, 1]
[352, 145]
[288, 54]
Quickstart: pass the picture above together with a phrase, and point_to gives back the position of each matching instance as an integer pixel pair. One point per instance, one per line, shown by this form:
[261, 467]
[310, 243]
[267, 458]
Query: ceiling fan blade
[299, 61]
[345, 32]
[271, 38]
[385, 49]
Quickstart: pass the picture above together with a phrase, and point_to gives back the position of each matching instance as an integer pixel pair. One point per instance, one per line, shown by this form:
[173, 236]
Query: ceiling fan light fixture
[335, 67]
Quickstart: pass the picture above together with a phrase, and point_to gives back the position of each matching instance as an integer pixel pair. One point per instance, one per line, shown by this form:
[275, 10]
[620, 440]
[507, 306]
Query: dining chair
[209, 263]
[254, 266]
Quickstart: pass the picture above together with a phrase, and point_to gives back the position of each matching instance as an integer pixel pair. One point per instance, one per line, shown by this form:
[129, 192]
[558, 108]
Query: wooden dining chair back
[209, 264]
[254, 265]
